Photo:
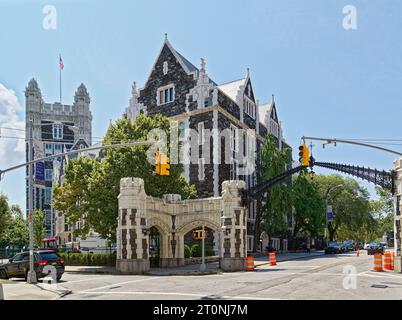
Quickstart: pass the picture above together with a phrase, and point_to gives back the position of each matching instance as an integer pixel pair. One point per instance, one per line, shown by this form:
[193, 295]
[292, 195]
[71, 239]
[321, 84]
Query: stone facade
[174, 218]
[47, 118]
[397, 211]
[198, 100]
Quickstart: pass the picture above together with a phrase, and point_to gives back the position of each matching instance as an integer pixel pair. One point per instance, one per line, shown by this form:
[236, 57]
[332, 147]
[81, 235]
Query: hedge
[88, 259]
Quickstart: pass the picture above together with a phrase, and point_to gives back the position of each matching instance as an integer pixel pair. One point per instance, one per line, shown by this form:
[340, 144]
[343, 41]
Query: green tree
[39, 230]
[350, 205]
[17, 233]
[271, 216]
[5, 217]
[90, 188]
[309, 208]
[382, 211]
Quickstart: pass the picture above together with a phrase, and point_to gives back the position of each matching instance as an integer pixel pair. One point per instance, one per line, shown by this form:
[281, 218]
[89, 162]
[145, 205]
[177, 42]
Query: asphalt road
[343, 276]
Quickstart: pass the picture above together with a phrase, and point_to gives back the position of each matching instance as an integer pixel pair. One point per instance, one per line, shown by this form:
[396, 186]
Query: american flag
[61, 63]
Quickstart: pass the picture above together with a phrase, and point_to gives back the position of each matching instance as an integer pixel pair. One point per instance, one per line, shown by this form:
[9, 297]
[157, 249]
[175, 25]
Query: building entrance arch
[154, 229]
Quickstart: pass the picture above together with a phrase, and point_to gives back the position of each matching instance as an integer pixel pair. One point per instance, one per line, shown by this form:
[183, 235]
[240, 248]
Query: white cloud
[11, 150]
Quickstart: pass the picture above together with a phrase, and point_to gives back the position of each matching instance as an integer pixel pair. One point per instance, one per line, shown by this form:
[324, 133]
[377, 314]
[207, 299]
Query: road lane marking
[83, 280]
[175, 294]
[118, 284]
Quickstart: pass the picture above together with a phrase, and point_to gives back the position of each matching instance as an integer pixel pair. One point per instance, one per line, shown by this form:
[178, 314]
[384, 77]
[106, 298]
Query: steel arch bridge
[382, 178]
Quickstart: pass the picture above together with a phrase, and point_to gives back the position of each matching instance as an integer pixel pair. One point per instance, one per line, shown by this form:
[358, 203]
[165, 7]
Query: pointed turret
[32, 88]
[82, 94]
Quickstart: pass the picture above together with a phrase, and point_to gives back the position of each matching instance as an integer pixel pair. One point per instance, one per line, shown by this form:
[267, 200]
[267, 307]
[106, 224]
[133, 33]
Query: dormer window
[165, 94]
[249, 107]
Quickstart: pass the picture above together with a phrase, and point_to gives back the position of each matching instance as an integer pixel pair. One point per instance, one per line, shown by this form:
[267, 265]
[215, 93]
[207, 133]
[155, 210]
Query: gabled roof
[187, 63]
[232, 88]
[263, 111]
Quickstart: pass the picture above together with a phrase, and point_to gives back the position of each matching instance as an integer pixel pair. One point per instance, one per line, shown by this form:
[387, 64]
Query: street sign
[330, 214]
[40, 171]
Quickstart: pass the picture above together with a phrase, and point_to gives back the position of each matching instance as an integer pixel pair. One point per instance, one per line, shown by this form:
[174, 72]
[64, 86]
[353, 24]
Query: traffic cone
[358, 253]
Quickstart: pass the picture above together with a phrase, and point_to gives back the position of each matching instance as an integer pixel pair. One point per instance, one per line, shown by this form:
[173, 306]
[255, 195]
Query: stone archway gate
[173, 218]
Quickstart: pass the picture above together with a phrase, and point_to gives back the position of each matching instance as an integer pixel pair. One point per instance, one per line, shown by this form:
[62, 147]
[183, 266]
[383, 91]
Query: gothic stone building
[177, 89]
[57, 128]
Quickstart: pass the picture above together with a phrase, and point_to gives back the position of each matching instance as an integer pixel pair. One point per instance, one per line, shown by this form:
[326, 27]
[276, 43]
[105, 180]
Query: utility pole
[203, 266]
[31, 276]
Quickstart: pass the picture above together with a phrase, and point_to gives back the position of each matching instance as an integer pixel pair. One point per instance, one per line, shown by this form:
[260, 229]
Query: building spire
[166, 38]
[273, 99]
[134, 91]
[248, 72]
[202, 64]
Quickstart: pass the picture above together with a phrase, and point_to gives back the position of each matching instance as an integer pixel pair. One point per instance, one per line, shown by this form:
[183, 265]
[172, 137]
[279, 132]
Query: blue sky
[327, 81]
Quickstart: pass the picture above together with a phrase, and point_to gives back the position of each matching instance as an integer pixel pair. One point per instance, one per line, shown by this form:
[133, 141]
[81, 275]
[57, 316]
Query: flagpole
[60, 78]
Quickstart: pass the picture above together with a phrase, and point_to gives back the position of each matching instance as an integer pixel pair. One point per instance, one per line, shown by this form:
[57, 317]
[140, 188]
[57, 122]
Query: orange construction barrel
[272, 258]
[377, 262]
[250, 263]
[387, 260]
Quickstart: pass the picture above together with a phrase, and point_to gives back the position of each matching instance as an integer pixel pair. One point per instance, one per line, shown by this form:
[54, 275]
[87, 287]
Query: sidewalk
[260, 260]
[193, 269]
[20, 290]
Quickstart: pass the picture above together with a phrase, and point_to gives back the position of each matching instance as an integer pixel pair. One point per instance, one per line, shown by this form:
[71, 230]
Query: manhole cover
[379, 286]
[212, 297]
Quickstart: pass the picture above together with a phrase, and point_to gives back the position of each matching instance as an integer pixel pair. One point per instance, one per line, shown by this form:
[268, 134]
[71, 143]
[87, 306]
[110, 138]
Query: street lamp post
[31, 276]
[327, 204]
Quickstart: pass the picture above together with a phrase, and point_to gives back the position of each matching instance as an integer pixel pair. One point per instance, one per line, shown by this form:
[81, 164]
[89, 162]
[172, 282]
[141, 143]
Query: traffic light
[165, 166]
[157, 163]
[162, 165]
[304, 155]
[199, 234]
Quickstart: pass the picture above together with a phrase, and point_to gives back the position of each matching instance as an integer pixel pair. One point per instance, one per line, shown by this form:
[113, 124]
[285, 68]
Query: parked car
[384, 244]
[375, 248]
[344, 248]
[350, 245]
[367, 246]
[18, 266]
[360, 245]
[333, 247]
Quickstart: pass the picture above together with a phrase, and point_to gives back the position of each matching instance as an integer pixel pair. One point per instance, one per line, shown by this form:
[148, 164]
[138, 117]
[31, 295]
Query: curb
[192, 273]
[90, 271]
[297, 258]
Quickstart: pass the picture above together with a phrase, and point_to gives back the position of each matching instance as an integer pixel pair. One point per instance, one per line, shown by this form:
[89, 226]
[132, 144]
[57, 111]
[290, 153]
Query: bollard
[272, 258]
[1, 292]
[250, 263]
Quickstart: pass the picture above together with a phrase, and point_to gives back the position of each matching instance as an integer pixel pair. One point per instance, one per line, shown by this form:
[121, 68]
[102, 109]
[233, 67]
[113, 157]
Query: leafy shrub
[209, 251]
[196, 250]
[89, 259]
[187, 251]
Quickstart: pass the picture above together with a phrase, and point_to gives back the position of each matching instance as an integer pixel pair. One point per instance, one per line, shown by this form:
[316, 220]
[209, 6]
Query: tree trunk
[257, 224]
[331, 231]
